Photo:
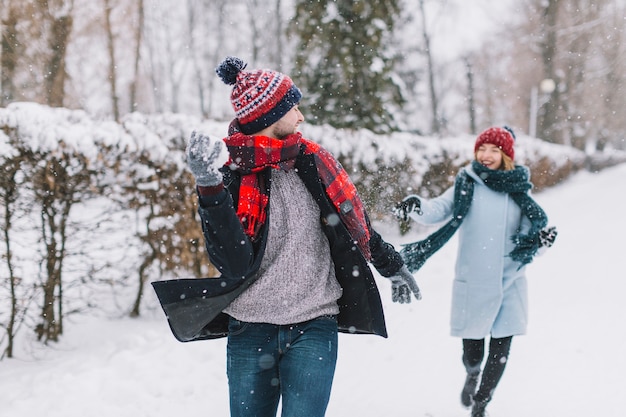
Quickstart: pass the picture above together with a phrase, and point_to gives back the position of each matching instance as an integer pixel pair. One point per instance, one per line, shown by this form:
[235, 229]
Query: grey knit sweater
[297, 276]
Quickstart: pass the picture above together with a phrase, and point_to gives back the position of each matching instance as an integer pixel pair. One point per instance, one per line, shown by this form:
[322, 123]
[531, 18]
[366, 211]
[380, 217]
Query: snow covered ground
[571, 362]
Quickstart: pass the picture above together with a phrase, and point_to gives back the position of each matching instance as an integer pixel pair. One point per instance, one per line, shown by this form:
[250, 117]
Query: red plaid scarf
[252, 154]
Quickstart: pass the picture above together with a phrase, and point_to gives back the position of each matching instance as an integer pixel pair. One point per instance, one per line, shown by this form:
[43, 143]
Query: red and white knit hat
[502, 137]
[260, 97]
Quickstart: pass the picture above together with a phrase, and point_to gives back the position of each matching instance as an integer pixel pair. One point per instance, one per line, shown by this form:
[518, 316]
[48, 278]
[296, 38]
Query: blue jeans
[266, 362]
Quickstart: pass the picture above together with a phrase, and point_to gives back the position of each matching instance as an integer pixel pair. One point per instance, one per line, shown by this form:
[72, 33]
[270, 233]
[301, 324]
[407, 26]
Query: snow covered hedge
[91, 207]
[388, 167]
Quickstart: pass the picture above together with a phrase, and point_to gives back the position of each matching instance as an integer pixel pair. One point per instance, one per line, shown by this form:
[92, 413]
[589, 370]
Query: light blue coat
[489, 294]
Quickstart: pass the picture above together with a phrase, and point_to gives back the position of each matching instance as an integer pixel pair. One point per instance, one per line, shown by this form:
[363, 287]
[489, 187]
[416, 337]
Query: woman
[500, 230]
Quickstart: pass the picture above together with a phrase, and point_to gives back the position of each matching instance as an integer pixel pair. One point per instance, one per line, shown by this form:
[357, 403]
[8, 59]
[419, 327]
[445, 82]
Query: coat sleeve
[194, 306]
[435, 210]
[230, 249]
[384, 257]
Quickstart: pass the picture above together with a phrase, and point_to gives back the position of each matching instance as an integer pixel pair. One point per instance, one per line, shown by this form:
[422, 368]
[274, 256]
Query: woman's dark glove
[547, 236]
[407, 206]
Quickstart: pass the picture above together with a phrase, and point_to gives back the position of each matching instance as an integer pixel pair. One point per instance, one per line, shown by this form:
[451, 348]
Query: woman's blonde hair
[507, 162]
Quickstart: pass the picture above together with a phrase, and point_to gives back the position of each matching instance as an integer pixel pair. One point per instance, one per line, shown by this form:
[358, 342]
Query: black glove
[205, 156]
[547, 236]
[407, 206]
[402, 285]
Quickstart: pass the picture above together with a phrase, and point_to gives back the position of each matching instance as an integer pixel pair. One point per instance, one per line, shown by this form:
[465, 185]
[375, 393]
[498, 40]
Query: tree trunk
[549, 110]
[9, 197]
[61, 28]
[253, 7]
[148, 258]
[57, 191]
[48, 329]
[471, 108]
[8, 57]
[147, 261]
[138, 42]
[279, 36]
[112, 63]
[221, 23]
[435, 127]
[192, 13]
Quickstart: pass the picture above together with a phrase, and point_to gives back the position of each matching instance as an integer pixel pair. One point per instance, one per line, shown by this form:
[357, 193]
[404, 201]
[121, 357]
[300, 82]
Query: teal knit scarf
[514, 182]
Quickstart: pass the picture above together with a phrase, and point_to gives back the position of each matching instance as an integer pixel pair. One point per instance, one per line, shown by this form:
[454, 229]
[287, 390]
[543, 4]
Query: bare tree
[193, 16]
[60, 20]
[257, 27]
[471, 108]
[137, 56]
[549, 110]
[167, 43]
[279, 36]
[9, 51]
[207, 22]
[112, 61]
[8, 195]
[567, 65]
[170, 237]
[58, 185]
[212, 55]
[434, 102]
[611, 75]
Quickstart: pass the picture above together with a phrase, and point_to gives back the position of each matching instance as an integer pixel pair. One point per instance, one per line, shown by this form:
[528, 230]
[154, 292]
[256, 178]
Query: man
[286, 228]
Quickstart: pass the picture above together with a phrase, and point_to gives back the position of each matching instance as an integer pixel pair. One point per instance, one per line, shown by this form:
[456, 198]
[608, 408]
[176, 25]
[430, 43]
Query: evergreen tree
[344, 62]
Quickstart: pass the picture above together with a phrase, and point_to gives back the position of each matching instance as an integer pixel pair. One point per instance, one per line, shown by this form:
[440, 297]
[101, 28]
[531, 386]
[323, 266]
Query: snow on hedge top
[363, 146]
[45, 129]
[41, 128]
[164, 136]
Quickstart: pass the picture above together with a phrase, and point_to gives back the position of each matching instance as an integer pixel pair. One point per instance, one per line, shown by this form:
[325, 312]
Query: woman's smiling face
[489, 155]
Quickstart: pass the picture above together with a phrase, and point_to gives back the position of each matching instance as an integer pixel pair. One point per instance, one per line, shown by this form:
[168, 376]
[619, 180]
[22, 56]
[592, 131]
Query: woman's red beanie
[502, 137]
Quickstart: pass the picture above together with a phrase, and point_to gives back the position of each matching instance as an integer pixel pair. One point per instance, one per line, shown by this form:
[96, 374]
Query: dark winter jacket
[194, 306]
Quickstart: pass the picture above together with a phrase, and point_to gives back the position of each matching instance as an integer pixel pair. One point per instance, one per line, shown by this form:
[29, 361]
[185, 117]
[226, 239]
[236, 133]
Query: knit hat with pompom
[502, 137]
[260, 97]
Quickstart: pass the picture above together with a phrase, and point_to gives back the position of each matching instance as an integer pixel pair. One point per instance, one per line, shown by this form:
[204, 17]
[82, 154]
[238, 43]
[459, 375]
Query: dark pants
[473, 354]
[295, 363]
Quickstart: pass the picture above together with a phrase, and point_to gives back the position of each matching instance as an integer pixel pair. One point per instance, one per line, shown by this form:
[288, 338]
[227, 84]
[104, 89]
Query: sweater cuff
[211, 196]
[210, 191]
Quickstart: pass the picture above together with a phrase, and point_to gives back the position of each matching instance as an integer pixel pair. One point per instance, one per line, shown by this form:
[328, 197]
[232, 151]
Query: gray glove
[205, 156]
[407, 206]
[402, 285]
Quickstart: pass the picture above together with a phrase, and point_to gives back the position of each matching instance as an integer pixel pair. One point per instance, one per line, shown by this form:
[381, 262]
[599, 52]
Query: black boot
[478, 409]
[469, 389]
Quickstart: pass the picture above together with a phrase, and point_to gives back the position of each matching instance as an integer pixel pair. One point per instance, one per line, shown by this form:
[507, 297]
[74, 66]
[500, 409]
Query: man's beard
[283, 133]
